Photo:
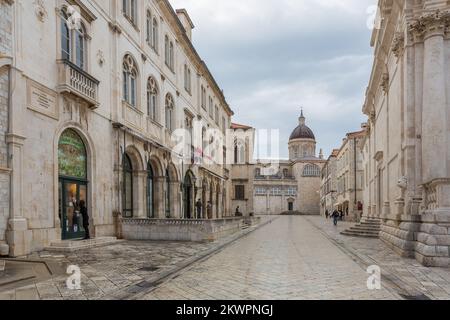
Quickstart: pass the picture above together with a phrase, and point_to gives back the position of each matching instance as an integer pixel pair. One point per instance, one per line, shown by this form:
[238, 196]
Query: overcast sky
[272, 57]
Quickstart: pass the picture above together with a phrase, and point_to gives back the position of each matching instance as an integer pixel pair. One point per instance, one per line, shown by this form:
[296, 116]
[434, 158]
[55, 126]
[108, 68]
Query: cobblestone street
[287, 259]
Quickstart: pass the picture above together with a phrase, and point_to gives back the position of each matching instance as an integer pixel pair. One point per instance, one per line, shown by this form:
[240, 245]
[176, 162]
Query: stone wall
[179, 230]
[5, 50]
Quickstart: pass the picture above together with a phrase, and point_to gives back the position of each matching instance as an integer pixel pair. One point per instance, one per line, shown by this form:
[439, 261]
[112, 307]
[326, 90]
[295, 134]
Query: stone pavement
[117, 271]
[407, 276]
[287, 259]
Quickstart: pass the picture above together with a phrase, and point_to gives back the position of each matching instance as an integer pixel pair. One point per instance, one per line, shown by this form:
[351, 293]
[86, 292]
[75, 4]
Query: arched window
[65, 36]
[166, 50]
[152, 98]
[72, 159]
[150, 192]
[73, 40]
[170, 105]
[169, 53]
[311, 170]
[127, 187]
[129, 80]
[239, 152]
[148, 27]
[154, 43]
[167, 194]
[130, 10]
[80, 46]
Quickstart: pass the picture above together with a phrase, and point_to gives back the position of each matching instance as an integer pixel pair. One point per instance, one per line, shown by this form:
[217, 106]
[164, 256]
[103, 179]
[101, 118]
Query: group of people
[336, 216]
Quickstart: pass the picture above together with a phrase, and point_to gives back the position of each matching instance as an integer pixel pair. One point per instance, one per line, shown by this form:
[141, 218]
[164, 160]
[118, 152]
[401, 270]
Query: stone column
[175, 197]
[434, 115]
[18, 236]
[159, 198]
[139, 201]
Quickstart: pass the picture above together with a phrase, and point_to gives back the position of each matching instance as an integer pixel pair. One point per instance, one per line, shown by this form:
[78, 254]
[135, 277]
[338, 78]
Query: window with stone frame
[130, 78]
[239, 192]
[311, 170]
[152, 99]
[170, 107]
[129, 9]
[73, 40]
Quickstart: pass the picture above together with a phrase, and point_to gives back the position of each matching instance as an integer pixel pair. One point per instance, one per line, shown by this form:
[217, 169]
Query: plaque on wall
[42, 100]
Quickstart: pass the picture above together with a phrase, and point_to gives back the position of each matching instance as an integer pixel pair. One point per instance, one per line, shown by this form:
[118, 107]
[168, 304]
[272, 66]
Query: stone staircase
[367, 228]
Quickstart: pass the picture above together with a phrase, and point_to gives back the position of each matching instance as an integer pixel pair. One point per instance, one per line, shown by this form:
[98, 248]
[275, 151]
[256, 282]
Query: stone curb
[134, 292]
[395, 284]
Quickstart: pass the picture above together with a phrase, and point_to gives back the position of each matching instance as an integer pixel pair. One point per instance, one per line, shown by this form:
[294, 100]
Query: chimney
[186, 21]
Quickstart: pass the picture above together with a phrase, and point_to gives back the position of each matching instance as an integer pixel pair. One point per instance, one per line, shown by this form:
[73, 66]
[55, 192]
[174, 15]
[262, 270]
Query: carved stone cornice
[427, 25]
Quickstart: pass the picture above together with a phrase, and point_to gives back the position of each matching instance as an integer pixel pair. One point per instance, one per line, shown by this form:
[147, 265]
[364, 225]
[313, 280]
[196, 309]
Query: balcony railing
[74, 80]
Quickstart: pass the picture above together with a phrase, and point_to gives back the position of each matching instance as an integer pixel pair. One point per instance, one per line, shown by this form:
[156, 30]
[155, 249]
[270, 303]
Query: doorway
[71, 193]
[73, 183]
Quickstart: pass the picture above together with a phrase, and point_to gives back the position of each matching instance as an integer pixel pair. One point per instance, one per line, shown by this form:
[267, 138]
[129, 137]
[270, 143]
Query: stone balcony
[74, 80]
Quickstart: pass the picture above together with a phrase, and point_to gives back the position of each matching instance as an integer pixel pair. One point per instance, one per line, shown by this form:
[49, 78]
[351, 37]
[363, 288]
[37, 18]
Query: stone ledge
[72, 246]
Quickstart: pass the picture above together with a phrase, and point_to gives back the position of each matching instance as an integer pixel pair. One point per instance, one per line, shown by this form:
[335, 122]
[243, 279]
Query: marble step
[369, 228]
[76, 245]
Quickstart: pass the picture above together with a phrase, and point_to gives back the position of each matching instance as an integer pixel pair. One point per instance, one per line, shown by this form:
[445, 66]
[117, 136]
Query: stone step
[76, 245]
[358, 227]
[360, 234]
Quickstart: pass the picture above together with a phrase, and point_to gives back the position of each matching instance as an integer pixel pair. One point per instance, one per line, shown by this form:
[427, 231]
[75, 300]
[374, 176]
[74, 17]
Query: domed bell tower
[302, 142]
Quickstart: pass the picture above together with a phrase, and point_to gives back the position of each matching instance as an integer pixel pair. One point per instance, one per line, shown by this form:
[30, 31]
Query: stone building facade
[282, 186]
[101, 88]
[406, 152]
[6, 52]
[328, 186]
[349, 177]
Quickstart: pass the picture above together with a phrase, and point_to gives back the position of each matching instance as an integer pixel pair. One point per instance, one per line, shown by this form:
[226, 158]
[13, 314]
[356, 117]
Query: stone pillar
[18, 236]
[434, 115]
[159, 197]
[433, 238]
[140, 178]
[175, 197]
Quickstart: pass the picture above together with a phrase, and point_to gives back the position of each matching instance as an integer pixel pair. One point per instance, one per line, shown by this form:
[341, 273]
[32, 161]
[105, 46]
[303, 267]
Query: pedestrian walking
[85, 216]
[335, 217]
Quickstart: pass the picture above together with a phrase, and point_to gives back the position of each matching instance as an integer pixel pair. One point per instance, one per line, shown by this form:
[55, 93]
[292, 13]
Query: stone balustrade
[179, 229]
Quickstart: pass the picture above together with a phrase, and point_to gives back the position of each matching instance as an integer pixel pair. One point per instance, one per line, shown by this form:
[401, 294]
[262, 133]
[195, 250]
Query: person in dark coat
[335, 217]
[199, 207]
[327, 214]
[84, 214]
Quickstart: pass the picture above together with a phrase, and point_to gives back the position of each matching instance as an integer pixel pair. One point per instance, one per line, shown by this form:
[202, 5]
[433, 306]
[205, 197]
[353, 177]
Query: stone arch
[157, 166]
[136, 158]
[90, 169]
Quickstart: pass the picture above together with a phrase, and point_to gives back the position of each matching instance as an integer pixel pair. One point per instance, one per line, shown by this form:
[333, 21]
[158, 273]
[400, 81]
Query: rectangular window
[239, 192]
[216, 115]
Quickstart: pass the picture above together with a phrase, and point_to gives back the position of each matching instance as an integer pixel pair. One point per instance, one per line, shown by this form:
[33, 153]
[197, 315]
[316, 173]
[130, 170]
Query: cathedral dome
[302, 131]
